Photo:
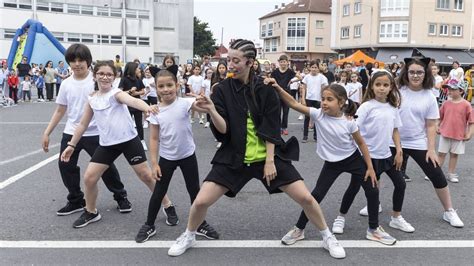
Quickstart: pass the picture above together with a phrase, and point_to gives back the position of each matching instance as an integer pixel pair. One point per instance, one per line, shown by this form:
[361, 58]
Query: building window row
[458, 5]
[394, 31]
[267, 29]
[456, 30]
[296, 34]
[271, 45]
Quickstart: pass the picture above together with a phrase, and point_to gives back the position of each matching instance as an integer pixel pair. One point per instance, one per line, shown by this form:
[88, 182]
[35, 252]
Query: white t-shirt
[354, 90]
[196, 83]
[206, 84]
[113, 118]
[453, 74]
[313, 86]
[438, 80]
[150, 85]
[74, 94]
[176, 135]
[416, 107]
[116, 83]
[335, 142]
[376, 121]
[26, 85]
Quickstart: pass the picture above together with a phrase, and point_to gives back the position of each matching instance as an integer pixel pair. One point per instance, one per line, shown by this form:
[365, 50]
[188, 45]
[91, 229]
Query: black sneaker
[407, 178]
[305, 139]
[86, 218]
[124, 205]
[70, 208]
[171, 216]
[145, 233]
[207, 231]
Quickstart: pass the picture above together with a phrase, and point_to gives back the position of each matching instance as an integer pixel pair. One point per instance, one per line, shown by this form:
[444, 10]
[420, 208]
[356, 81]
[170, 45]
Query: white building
[143, 29]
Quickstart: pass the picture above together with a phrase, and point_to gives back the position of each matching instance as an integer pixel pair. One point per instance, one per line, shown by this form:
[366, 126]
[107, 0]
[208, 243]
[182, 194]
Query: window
[443, 30]
[296, 34]
[115, 12]
[393, 31]
[87, 38]
[144, 41]
[346, 9]
[458, 5]
[73, 9]
[267, 45]
[357, 31]
[319, 24]
[264, 30]
[318, 41]
[131, 40]
[456, 30]
[345, 33]
[143, 14]
[274, 44]
[73, 37]
[87, 10]
[442, 4]
[24, 4]
[357, 7]
[431, 29]
[104, 39]
[131, 13]
[270, 29]
[9, 34]
[42, 6]
[116, 39]
[103, 11]
[394, 8]
[59, 36]
[57, 7]
[10, 3]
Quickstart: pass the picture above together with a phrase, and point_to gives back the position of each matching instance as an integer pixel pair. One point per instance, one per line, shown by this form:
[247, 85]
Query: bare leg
[453, 161]
[209, 193]
[300, 193]
[442, 157]
[144, 173]
[92, 175]
[166, 202]
[445, 197]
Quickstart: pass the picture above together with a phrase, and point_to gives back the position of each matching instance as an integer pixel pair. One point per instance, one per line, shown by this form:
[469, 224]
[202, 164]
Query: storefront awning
[446, 57]
[393, 55]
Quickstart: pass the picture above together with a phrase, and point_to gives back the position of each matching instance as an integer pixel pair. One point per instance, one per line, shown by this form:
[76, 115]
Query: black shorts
[235, 179]
[382, 165]
[132, 150]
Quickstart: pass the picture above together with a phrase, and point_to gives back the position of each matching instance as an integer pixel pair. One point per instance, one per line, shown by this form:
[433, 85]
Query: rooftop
[302, 6]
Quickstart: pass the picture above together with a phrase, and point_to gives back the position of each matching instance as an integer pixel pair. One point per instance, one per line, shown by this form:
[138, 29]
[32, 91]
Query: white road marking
[27, 171]
[29, 123]
[236, 244]
[27, 154]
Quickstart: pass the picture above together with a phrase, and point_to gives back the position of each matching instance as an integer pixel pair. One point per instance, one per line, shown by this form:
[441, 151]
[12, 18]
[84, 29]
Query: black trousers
[49, 91]
[315, 104]
[285, 110]
[70, 171]
[138, 116]
[189, 168]
[354, 165]
[435, 174]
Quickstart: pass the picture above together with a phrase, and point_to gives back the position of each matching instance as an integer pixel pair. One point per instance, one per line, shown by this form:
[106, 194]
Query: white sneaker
[338, 225]
[365, 211]
[206, 125]
[182, 244]
[191, 120]
[219, 144]
[400, 224]
[335, 249]
[381, 236]
[452, 218]
[144, 145]
[145, 124]
[201, 121]
[301, 117]
[427, 179]
[295, 234]
[452, 178]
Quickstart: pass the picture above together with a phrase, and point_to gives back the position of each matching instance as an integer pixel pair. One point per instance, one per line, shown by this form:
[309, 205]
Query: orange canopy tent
[356, 57]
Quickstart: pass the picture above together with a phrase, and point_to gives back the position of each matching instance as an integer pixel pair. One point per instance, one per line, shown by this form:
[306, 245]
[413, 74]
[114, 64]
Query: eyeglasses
[102, 75]
[419, 73]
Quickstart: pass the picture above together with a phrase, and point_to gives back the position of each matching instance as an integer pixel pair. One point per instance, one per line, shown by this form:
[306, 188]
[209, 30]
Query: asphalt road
[29, 205]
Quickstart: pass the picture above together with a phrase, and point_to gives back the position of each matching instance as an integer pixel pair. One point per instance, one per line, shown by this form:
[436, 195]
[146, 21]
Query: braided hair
[245, 46]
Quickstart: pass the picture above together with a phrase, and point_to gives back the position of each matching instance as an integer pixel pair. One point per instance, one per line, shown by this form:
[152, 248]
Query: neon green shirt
[255, 149]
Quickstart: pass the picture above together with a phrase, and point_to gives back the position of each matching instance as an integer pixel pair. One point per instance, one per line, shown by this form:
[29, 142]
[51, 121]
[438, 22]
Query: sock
[190, 233]
[325, 233]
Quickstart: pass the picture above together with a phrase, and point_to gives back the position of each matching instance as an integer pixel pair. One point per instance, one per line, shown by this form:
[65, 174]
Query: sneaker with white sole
[380, 235]
[145, 232]
[183, 243]
[86, 218]
[334, 247]
[453, 178]
[452, 218]
[427, 178]
[401, 224]
[206, 125]
[171, 216]
[365, 212]
[338, 225]
[295, 234]
[301, 117]
[201, 121]
[144, 145]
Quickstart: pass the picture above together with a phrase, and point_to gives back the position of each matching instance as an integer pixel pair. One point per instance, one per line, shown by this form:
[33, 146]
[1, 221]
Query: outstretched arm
[136, 103]
[287, 98]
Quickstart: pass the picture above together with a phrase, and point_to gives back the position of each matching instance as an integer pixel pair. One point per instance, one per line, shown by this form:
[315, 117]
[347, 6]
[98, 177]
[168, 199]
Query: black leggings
[315, 104]
[354, 165]
[397, 180]
[435, 174]
[138, 117]
[189, 168]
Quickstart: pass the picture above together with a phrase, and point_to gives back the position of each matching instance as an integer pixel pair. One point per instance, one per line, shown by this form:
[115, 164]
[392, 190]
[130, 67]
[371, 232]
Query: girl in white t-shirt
[339, 141]
[378, 121]
[354, 88]
[438, 81]
[117, 135]
[206, 89]
[343, 78]
[419, 113]
[171, 138]
[195, 87]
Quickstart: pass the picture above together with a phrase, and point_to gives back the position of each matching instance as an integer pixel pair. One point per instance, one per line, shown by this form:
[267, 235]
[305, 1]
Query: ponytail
[350, 108]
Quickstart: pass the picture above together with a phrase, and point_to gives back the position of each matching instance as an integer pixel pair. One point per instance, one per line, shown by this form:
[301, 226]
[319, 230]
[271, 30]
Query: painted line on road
[28, 123]
[236, 244]
[28, 171]
[27, 154]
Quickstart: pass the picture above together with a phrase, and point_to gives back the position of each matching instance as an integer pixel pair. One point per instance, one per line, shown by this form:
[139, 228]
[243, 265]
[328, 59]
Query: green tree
[204, 42]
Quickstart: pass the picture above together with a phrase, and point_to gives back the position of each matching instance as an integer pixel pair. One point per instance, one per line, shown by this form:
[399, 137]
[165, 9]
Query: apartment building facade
[147, 30]
[391, 30]
[300, 29]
